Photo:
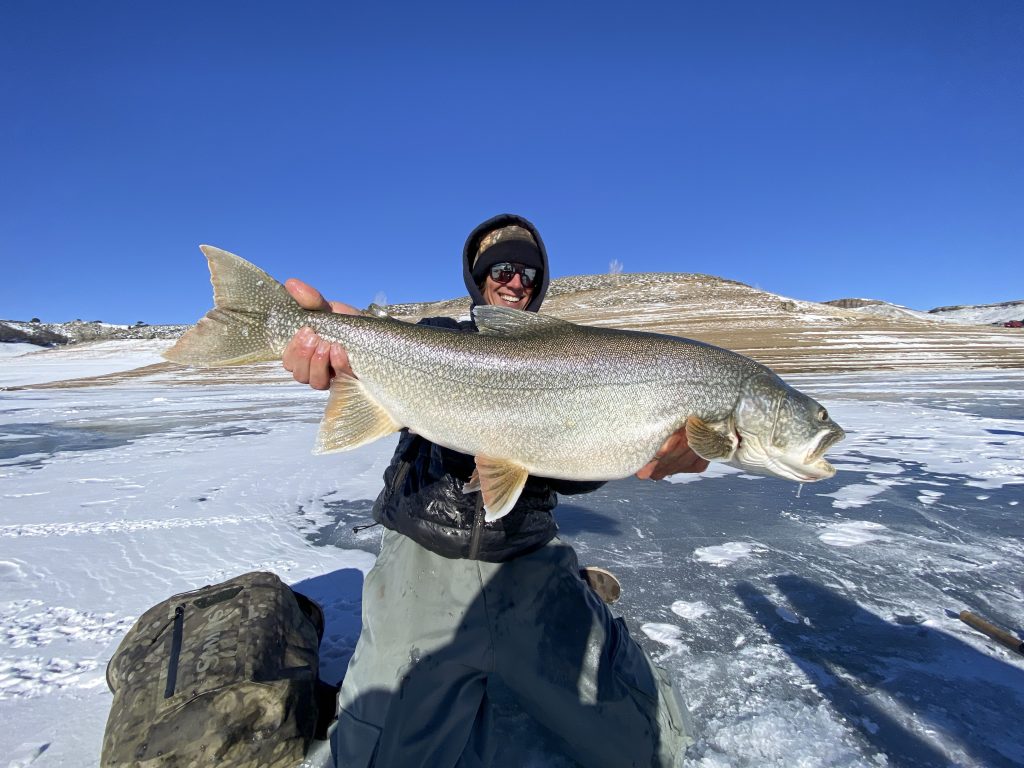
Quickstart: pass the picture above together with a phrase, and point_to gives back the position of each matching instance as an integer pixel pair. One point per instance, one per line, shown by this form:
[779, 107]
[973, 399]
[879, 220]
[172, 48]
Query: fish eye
[822, 414]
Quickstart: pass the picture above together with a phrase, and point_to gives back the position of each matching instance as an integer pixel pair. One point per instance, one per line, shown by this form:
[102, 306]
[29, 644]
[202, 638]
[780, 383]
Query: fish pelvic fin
[501, 483]
[353, 418]
[707, 442]
[235, 331]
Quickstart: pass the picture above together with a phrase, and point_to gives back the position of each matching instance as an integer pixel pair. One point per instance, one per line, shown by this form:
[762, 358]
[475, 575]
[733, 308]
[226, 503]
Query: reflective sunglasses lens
[503, 273]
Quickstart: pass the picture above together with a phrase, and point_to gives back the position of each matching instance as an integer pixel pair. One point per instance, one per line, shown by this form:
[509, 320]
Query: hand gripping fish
[527, 395]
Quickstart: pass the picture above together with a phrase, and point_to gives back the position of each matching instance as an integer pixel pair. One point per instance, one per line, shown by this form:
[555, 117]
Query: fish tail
[237, 329]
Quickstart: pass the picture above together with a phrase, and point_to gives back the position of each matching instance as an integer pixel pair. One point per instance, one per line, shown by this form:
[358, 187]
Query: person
[452, 599]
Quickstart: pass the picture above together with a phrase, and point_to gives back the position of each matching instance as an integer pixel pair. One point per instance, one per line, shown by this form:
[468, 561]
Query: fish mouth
[814, 467]
[826, 440]
[819, 470]
[763, 460]
[801, 471]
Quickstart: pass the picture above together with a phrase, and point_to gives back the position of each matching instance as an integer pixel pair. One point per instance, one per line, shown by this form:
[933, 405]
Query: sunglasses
[504, 272]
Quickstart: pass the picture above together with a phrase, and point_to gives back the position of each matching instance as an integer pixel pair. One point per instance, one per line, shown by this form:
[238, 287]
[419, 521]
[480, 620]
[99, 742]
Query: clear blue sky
[814, 149]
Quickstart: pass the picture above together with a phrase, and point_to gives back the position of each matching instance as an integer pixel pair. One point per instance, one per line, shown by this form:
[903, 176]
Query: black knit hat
[513, 249]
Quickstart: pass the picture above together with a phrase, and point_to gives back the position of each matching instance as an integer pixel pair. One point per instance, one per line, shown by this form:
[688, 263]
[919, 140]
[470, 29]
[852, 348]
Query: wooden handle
[1001, 636]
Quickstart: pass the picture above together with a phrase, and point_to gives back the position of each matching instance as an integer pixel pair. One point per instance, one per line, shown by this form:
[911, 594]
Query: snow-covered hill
[976, 314]
[982, 313]
[77, 331]
[787, 334]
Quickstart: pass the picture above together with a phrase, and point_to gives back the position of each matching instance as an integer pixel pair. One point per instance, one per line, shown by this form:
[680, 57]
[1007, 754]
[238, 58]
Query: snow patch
[858, 494]
[690, 611]
[785, 734]
[853, 533]
[668, 635]
[722, 555]
[787, 615]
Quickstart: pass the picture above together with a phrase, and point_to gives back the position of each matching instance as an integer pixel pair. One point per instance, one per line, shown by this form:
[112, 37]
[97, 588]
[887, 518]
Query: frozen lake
[811, 626]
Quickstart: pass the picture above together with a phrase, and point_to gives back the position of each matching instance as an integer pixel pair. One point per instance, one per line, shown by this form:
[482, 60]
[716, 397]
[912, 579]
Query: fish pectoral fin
[473, 484]
[501, 482]
[707, 442]
[352, 418]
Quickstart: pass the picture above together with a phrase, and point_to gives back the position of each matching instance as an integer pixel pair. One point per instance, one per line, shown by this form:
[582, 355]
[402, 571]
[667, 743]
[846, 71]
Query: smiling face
[510, 294]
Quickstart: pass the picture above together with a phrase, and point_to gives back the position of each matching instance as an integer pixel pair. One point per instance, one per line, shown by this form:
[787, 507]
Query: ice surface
[815, 629]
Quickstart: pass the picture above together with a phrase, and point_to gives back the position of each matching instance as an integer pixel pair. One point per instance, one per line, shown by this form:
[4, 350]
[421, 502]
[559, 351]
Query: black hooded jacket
[422, 496]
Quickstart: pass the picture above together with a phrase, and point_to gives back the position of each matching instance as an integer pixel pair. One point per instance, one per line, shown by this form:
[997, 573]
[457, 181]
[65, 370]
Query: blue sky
[813, 149]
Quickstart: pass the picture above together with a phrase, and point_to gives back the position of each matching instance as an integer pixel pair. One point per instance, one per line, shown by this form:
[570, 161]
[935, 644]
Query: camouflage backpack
[223, 676]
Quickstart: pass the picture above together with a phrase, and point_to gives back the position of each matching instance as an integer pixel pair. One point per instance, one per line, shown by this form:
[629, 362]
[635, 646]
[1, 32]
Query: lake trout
[528, 394]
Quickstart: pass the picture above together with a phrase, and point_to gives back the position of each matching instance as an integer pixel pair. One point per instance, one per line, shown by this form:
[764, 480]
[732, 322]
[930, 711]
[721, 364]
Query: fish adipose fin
[707, 442]
[504, 321]
[352, 418]
[501, 482]
[235, 330]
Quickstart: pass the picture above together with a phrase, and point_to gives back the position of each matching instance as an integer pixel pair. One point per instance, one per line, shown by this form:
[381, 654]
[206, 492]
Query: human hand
[674, 456]
[310, 359]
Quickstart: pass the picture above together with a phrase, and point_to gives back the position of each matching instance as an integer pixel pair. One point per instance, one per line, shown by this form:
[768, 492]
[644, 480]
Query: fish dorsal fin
[352, 418]
[504, 321]
[376, 310]
[707, 442]
[501, 482]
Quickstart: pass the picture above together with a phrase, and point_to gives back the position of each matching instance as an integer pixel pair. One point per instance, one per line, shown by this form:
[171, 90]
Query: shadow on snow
[851, 656]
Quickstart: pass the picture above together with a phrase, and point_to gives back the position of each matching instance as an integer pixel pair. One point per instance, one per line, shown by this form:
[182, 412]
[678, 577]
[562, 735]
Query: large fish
[528, 394]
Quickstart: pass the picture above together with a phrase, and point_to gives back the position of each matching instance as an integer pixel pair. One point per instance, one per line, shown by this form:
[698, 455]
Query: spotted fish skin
[528, 394]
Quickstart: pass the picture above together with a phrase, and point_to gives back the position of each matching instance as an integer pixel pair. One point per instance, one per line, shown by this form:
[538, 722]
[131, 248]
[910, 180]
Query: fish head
[782, 432]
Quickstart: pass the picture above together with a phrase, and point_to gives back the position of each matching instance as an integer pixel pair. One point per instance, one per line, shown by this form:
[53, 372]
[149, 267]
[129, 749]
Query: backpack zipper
[172, 662]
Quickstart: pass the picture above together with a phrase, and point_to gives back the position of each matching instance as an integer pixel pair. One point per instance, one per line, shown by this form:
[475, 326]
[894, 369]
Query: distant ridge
[965, 314]
[853, 303]
[76, 331]
[1017, 303]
